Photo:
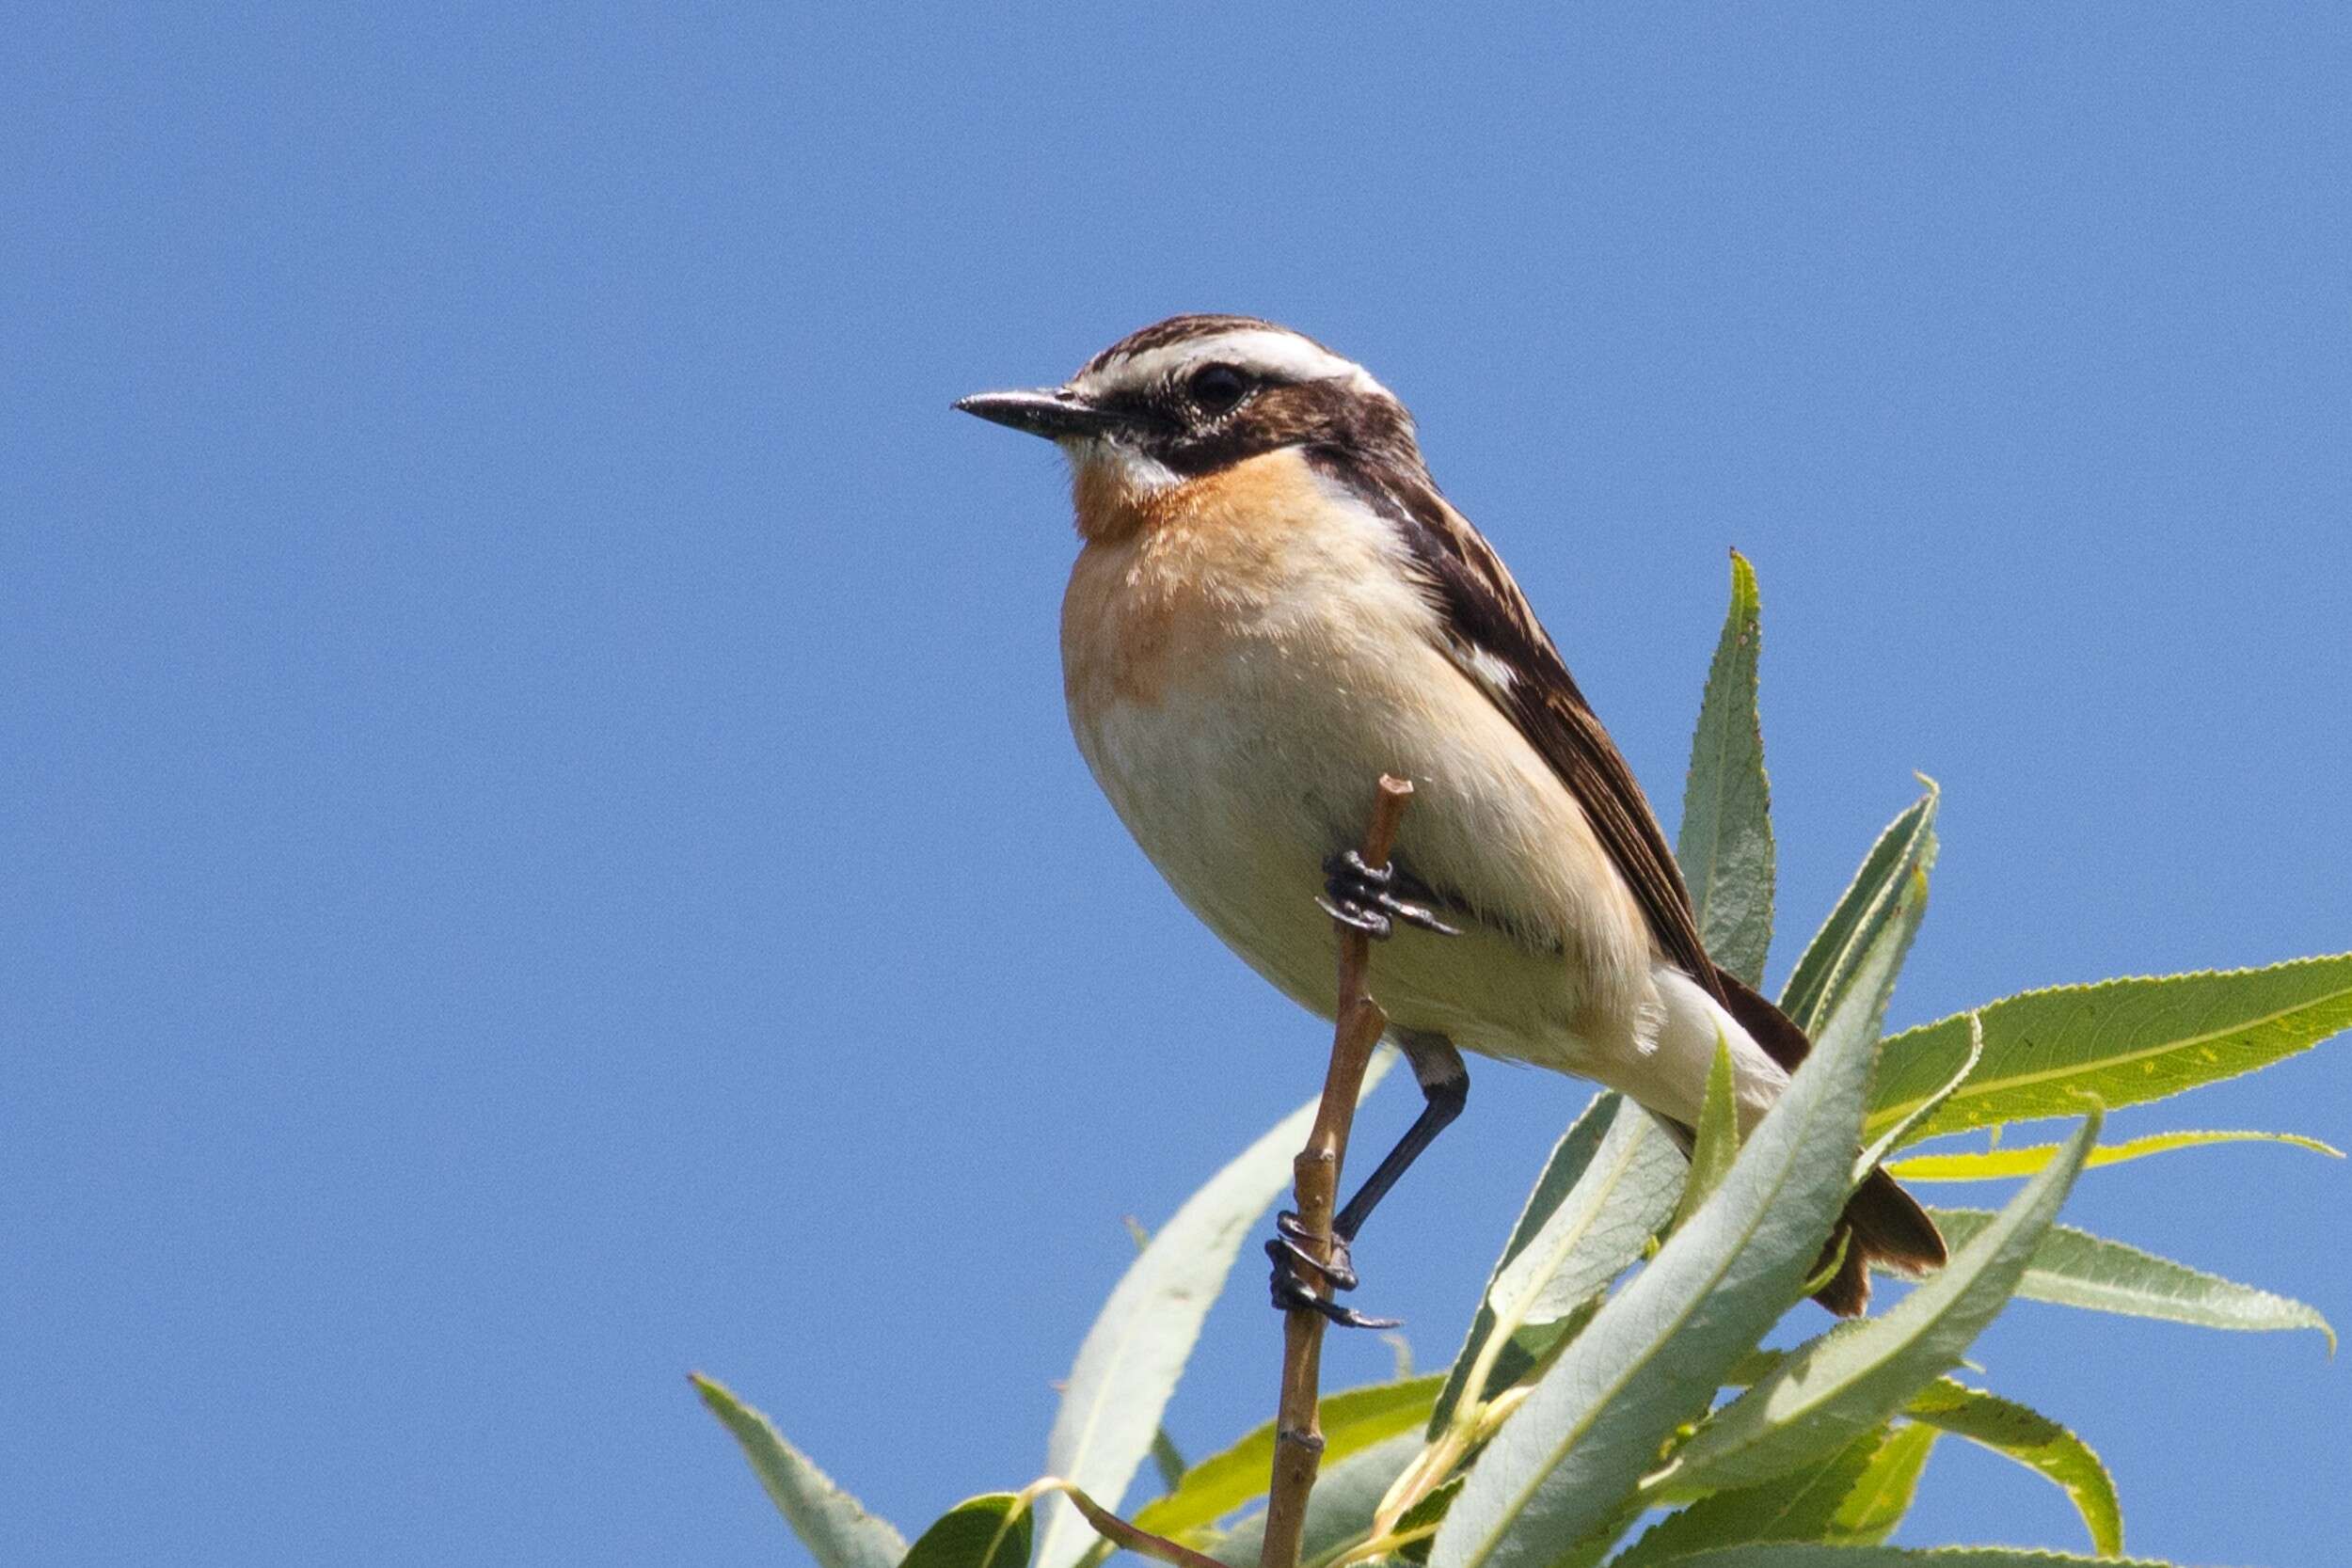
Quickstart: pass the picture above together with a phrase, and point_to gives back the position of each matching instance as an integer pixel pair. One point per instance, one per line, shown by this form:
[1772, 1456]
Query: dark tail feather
[1882, 1223]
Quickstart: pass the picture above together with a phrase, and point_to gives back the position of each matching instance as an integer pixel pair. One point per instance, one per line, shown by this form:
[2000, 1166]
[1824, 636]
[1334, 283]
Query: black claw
[1371, 922]
[1293, 1238]
[1361, 897]
[1291, 1292]
[1294, 1264]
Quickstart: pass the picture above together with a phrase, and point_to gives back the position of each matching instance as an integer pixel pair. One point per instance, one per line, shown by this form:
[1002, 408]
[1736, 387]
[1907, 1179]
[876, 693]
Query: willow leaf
[2034, 1441]
[2074, 1268]
[1797, 1507]
[1655, 1353]
[1903, 854]
[1854, 1378]
[1725, 843]
[1132, 1358]
[990, 1531]
[834, 1526]
[1609, 1183]
[1997, 1164]
[2122, 1041]
[1882, 1496]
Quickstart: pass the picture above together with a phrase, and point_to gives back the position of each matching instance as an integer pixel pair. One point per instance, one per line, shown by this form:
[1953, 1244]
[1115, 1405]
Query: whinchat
[1272, 606]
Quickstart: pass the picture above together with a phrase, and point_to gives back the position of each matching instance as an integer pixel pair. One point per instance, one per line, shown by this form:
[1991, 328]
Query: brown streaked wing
[1485, 611]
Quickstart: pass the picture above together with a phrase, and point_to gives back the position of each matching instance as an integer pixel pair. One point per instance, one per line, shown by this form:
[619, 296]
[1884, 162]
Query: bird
[1272, 605]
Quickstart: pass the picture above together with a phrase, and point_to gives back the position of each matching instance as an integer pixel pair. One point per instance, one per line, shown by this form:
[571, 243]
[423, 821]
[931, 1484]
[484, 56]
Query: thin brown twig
[1119, 1531]
[1315, 1179]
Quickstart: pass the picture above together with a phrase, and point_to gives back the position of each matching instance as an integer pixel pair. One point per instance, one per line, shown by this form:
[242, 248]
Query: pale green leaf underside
[1996, 1165]
[1654, 1354]
[1850, 1379]
[2074, 1268]
[2122, 1041]
[1726, 842]
[1350, 1421]
[1717, 1143]
[832, 1525]
[1609, 1184]
[1901, 854]
[2035, 1441]
[1132, 1358]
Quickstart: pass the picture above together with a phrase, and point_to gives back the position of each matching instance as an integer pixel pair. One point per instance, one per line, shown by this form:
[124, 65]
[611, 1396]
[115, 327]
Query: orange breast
[1169, 579]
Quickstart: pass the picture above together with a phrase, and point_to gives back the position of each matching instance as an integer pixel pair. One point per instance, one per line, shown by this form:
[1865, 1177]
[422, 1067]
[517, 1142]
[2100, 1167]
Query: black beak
[1053, 412]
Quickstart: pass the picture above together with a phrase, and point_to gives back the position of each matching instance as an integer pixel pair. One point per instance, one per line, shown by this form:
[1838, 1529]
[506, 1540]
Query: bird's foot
[1294, 1265]
[1359, 895]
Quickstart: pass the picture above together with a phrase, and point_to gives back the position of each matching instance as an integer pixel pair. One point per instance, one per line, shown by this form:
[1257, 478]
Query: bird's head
[1193, 395]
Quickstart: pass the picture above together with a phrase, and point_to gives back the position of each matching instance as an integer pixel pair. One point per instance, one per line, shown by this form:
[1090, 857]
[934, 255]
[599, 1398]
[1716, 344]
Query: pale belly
[1240, 774]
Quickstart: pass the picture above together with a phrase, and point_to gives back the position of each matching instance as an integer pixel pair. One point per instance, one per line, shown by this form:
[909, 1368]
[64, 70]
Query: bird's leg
[1365, 898]
[1445, 1088]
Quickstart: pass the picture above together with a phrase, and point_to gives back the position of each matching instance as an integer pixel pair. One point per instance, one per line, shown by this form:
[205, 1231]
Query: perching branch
[1358, 1027]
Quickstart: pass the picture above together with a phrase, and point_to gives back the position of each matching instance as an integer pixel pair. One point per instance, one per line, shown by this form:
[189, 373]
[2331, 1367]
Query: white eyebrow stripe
[1276, 353]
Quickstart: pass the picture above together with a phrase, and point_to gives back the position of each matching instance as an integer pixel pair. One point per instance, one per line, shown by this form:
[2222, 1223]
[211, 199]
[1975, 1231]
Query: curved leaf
[2034, 1441]
[1901, 1557]
[2075, 1268]
[1137, 1350]
[1654, 1354]
[832, 1525]
[1725, 843]
[1996, 1165]
[1797, 1507]
[1851, 1379]
[2122, 1041]
[1609, 1183]
[1882, 1496]
[1900, 858]
[1717, 1142]
[990, 1531]
[1350, 1422]
[1892, 1137]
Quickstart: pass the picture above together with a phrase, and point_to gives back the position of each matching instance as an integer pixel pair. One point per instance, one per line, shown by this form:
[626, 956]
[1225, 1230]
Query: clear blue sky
[541, 846]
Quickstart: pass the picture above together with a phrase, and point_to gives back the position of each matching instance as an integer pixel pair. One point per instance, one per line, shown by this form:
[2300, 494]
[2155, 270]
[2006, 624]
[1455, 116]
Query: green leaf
[1795, 1556]
[2075, 1268]
[1339, 1510]
[1882, 1496]
[1854, 1378]
[1893, 1135]
[2124, 1041]
[832, 1525]
[1996, 1165]
[1608, 1187]
[1351, 1423]
[1137, 1350]
[2034, 1441]
[1898, 862]
[990, 1531]
[1798, 1507]
[1717, 1143]
[1726, 844]
[1426, 1515]
[1655, 1353]
[1167, 1459]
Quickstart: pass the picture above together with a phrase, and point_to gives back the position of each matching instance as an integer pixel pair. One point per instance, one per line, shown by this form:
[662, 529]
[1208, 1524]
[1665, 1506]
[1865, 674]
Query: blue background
[541, 846]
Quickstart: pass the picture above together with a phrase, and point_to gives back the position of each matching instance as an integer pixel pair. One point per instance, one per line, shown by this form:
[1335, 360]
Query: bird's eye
[1216, 388]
